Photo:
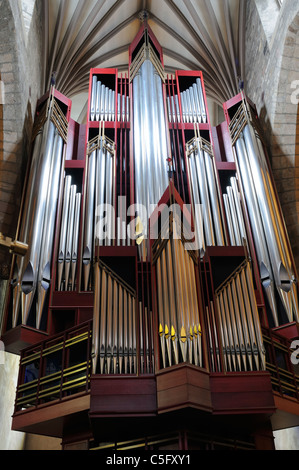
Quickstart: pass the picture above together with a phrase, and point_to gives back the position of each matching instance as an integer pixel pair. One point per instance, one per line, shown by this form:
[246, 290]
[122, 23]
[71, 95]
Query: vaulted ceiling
[207, 35]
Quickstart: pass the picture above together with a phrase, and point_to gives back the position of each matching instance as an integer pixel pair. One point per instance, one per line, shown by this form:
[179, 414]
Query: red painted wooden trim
[122, 396]
[242, 393]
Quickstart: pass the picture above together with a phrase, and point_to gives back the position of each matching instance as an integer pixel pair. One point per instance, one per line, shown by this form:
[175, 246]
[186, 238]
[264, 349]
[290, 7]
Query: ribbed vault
[205, 35]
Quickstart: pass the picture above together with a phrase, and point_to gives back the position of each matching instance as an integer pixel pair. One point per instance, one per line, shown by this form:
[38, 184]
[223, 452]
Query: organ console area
[159, 290]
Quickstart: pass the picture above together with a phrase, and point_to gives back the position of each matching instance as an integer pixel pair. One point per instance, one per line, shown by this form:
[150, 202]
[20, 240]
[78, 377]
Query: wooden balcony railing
[55, 368]
[284, 375]
[60, 367]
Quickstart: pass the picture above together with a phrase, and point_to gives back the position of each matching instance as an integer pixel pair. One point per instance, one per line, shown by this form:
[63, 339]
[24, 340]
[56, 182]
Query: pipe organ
[143, 223]
[274, 256]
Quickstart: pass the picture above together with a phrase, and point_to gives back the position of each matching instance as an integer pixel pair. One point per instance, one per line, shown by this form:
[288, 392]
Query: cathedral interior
[116, 339]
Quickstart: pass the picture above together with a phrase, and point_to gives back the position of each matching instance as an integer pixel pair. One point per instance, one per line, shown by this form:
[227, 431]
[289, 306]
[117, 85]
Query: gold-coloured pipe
[181, 313]
[173, 303]
[187, 300]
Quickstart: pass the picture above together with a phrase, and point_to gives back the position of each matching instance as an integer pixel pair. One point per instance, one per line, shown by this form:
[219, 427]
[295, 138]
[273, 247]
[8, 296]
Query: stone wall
[9, 440]
[272, 69]
[20, 73]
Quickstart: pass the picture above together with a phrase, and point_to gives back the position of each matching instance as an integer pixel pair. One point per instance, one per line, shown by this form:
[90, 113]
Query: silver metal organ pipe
[150, 137]
[287, 275]
[26, 226]
[232, 320]
[177, 108]
[211, 179]
[165, 141]
[69, 239]
[196, 203]
[197, 102]
[163, 148]
[242, 328]
[100, 183]
[201, 100]
[247, 278]
[102, 332]
[169, 109]
[103, 97]
[229, 326]
[126, 332]
[240, 216]
[204, 194]
[234, 216]
[257, 227]
[192, 102]
[244, 295]
[188, 106]
[109, 104]
[173, 109]
[106, 104]
[118, 107]
[120, 330]
[45, 262]
[63, 228]
[224, 331]
[240, 325]
[147, 85]
[137, 138]
[29, 277]
[93, 98]
[108, 184]
[74, 258]
[229, 220]
[96, 318]
[283, 277]
[113, 106]
[123, 114]
[89, 219]
[183, 101]
[163, 287]
[279, 270]
[98, 101]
